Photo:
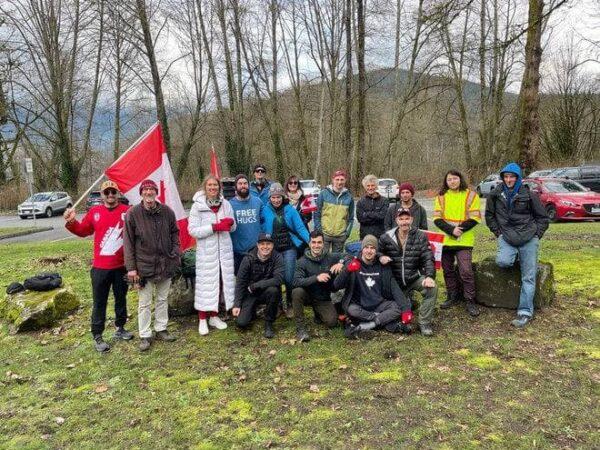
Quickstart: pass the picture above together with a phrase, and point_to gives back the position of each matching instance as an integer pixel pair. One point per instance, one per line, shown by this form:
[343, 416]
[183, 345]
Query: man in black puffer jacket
[259, 280]
[371, 209]
[412, 264]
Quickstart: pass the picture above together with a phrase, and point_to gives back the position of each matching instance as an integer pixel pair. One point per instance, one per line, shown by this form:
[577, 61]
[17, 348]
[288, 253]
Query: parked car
[388, 188]
[540, 173]
[588, 176]
[310, 187]
[228, 185]
[485, 187]
[44, 203]
[95, 198]
[566, 199]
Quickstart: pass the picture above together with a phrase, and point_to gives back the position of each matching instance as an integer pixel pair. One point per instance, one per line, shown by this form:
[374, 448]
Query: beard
[242, 193]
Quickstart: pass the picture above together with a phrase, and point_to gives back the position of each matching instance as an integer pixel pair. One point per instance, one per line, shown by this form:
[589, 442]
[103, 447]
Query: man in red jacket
[106, 223]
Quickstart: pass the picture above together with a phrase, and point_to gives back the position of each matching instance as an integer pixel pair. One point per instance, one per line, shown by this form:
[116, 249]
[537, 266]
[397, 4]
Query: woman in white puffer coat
[211, 219]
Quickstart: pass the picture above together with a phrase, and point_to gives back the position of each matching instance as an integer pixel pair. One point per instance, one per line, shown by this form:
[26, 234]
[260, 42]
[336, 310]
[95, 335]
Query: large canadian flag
[147, 158]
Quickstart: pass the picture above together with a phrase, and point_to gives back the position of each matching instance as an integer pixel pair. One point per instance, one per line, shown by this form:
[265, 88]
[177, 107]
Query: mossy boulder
[31, 310]
[181, 297]
[500, 288]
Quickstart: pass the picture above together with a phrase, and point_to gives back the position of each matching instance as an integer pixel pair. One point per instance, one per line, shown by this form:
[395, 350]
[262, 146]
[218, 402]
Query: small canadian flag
[436, 242]
[147, 158]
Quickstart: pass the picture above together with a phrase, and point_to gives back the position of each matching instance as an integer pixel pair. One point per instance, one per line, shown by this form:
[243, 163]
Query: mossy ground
[477, 383]
[7, 231]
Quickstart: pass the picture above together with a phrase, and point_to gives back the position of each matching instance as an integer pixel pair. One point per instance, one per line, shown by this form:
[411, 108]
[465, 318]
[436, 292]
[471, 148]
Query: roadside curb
[25, 232]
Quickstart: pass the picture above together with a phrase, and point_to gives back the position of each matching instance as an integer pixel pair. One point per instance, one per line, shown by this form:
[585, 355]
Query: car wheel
[551, 211]
[49, 212]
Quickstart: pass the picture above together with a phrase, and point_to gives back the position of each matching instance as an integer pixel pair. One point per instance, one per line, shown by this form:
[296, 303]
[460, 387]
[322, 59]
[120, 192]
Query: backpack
[43, 282]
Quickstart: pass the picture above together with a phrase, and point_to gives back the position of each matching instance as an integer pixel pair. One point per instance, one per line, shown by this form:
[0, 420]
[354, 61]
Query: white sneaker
[203, 327]
[216, 322]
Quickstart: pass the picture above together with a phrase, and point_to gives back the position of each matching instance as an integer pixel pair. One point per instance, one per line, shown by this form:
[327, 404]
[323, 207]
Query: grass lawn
[10, 230]
[477, 383]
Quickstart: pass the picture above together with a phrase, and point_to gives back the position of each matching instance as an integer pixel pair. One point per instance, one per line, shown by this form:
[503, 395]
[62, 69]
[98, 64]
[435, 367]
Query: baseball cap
[265, 237]
[109, 184]
[403, 212]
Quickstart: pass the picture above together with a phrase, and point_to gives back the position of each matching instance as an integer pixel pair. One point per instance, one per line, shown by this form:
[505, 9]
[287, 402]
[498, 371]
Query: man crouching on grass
[372, 297]
[106, 223]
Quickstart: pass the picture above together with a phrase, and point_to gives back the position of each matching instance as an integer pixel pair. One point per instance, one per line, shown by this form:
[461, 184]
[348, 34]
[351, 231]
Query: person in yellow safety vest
[456, 213]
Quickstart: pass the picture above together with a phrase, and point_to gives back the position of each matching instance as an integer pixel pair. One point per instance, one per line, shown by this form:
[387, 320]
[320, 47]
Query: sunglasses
[260, 171]
[293, 182]
[110, 192]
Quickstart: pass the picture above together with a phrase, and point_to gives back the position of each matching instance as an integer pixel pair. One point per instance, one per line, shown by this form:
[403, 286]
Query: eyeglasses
[260, 171]
[110, 192]
[293, 182]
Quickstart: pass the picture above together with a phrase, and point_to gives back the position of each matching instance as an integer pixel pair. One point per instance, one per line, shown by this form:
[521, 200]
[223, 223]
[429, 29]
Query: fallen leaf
[314, 388]
[70, 366]
[272, 352]
[59, 420]
[343, 367]
[101, 388]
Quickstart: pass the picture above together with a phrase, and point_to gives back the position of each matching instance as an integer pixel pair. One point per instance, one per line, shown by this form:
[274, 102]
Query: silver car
[388, 188]
[310, 187]
[45, 203]
[488, 184]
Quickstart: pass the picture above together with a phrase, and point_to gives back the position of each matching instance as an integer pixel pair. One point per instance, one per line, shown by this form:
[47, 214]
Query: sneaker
[521, 321]
[269, 331]
[472, 309]
[100, 345]
[144, 344]
[426, 330]
[202, 327]
[302, 335]
[123, 334]
[164, 335]
[217, 323]
[351, 331]
[451, 301]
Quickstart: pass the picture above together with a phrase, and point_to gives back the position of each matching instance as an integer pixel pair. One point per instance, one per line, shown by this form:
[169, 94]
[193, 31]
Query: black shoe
[165, 336]
[144, 344]
[269, 331]
[100, 345]
[351, 331]
[472, 309]
[317, 319]
[123, 334]
[452, 300]
[302, 335]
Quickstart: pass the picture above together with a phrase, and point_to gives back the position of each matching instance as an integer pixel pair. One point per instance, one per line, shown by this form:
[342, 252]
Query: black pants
[323, 309]
[386, 314]
[102, 280]
[270, 296]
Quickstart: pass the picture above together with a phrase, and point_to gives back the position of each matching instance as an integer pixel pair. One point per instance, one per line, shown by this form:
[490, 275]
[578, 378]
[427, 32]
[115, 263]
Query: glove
[354, 265]
[228, 220]
[407, 317]
[222, 225]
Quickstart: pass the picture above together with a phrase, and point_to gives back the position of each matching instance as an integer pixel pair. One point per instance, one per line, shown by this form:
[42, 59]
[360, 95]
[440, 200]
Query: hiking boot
[164, 335]
[100, 345]
[123, 334]
[472, 309]
[426, 330]
[144, 344]
[269, 331]
[302, 335]
[451, 301]
[521, 321]
[217, 323]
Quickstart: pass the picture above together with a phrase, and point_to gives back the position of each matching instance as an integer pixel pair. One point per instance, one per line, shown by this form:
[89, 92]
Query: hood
[330, 187]
[512, 168]
[308, 255]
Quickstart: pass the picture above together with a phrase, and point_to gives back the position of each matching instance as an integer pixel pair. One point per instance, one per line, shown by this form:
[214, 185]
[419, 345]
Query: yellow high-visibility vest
[455, 207]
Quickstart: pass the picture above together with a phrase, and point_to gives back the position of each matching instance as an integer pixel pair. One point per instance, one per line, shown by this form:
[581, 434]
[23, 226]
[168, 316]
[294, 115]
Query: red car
[566, 199]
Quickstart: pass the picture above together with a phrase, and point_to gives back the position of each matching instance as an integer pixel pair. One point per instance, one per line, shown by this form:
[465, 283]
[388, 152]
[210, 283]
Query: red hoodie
[107, 227]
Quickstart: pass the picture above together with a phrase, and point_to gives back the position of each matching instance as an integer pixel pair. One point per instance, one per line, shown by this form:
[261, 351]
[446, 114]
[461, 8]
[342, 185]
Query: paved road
[59, 232]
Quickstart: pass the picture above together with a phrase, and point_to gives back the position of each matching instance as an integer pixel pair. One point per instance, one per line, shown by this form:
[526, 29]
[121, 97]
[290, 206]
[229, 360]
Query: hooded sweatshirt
[335, 212]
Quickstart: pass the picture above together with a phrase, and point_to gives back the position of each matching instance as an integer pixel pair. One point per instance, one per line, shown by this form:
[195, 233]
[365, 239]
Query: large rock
[500, 288]
[31, 310]
[181, 297]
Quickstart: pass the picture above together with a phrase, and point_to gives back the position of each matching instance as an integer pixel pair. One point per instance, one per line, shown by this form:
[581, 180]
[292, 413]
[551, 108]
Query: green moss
[391, 375]
[484, 362]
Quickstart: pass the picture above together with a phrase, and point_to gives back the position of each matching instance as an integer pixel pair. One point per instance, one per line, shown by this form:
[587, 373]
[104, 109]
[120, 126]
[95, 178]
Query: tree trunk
[362, 89]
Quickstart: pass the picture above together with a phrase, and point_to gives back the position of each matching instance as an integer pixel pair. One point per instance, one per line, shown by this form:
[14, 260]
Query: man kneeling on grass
[259, 280]
[313, 284]
[372, 298]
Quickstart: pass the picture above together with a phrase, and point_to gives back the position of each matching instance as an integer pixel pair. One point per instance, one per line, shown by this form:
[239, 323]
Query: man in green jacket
[313, 284]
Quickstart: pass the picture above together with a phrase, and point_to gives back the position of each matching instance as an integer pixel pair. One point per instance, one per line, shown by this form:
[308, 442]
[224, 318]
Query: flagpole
[86, 193]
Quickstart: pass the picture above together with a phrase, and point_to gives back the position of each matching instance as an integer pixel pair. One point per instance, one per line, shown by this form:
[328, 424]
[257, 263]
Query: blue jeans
[528, 257]
[289, 259]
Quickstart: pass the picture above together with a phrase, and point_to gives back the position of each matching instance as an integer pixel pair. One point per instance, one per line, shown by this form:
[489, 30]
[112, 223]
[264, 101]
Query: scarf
[210, 202]
[294, 197]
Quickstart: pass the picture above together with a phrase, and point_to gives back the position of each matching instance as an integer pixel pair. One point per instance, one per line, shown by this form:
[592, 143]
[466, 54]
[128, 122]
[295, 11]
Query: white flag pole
[138, 140]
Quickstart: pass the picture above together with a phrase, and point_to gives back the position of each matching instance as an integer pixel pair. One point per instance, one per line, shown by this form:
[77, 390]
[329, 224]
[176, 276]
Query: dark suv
[95, 198]
[588, 176]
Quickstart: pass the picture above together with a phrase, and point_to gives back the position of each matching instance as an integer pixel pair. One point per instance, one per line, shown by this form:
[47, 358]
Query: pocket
[521, 206]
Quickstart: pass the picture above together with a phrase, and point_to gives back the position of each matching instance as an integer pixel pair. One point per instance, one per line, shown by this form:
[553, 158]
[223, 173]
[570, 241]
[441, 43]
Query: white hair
[369, 179]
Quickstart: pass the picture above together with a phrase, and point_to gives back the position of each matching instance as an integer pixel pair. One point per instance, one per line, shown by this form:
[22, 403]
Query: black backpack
[43, 282]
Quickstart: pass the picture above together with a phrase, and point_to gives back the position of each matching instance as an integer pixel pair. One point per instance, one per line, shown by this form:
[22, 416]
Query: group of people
[260, 248]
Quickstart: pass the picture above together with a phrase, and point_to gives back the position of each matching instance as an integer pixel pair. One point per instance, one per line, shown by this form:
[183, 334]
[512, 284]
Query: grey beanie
[277, 189]
[371, 240]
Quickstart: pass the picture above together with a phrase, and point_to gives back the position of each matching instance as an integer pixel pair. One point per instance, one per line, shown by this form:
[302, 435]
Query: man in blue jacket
[335, 212]
[260, 186]
[249, 217]
[518, 219]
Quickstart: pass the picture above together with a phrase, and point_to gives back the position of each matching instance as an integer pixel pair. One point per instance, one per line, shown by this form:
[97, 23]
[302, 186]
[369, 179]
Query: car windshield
[308, 184]
[95, 194]
[563, 187]
[42, 197]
